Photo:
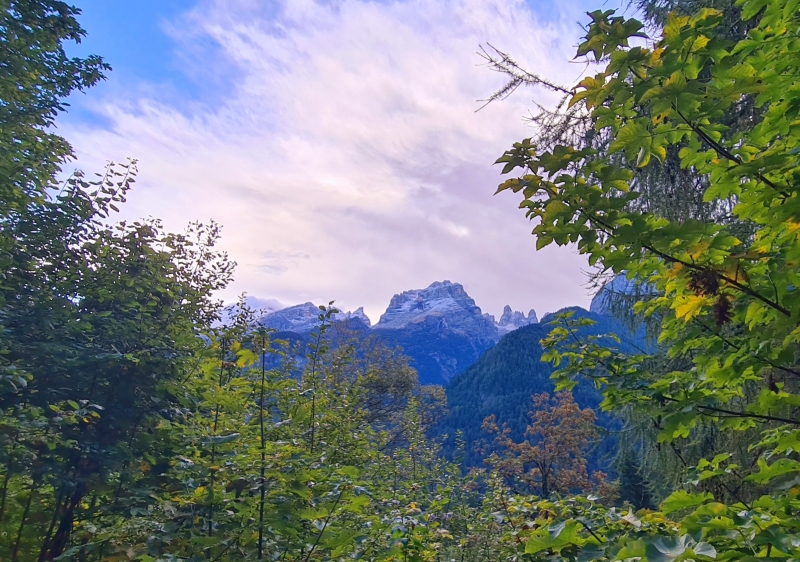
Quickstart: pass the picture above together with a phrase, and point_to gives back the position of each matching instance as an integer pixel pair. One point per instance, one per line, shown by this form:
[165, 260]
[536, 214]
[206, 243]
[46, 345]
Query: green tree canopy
[728, 304]
[36, 76]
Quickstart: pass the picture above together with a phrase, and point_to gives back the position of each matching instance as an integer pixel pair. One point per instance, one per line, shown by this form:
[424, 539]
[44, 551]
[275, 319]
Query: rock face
[357, 314]
[440, 327]
[304, 318]
[511, 320]
[301, 318]
[442, 306]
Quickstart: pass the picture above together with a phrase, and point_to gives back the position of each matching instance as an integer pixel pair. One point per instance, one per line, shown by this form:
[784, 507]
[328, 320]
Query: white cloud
[346, 160]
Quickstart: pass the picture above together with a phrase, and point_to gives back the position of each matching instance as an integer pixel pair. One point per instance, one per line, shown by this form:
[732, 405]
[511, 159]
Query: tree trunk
[61, 539]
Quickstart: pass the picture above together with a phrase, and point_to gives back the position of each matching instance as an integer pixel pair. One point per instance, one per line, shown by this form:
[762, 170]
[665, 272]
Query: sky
[336, 141]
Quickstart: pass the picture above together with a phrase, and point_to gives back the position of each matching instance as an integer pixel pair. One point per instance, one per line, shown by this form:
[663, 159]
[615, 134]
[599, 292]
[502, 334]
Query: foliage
[552, 458]
[733, 27]
[94, 316]
[728, 304]
[302, 457]
[97, 318]
[634, 484]
[501, 383]
[35, 78]
[135, 426]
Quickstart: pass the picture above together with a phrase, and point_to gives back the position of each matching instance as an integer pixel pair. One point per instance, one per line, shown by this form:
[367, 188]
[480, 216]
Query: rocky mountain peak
[441, 305]
[300, 318]
[304, 318]
[512, 319]
[440, 327]
[356, 314]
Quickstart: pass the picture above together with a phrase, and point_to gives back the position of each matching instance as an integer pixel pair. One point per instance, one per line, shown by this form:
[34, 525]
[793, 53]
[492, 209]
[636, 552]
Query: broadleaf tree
[727, 304]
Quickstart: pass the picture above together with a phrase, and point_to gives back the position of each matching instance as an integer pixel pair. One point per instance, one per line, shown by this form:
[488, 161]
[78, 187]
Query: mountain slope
[440, 328]
[502, 382]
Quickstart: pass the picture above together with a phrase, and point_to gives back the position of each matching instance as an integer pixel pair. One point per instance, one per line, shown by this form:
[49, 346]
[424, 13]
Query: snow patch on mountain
[300, 318]
[440, 327]
[358, 314]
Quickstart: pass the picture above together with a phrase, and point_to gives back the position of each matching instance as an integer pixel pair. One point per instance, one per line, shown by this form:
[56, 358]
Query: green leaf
[632, 549]
[350, 471]
[751, 7]
[778, 468]
[705, 549]
[631, 138]
[682, 499]
[556, 537]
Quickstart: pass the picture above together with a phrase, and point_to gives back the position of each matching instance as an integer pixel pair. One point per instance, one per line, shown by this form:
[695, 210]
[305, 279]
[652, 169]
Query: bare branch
[501, 62]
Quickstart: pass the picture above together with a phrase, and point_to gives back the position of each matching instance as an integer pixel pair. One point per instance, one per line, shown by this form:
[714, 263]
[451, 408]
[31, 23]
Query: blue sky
[336, 142]
[131, 35]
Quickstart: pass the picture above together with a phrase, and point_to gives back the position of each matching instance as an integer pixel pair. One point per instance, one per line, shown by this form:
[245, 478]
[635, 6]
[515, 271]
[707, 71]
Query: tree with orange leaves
[552, 457]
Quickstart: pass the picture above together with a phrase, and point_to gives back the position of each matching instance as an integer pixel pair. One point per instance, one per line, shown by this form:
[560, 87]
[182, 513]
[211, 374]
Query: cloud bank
[345, 158]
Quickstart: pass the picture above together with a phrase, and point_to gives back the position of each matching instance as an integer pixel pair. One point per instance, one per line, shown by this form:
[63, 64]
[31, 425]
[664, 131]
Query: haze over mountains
[439, 327]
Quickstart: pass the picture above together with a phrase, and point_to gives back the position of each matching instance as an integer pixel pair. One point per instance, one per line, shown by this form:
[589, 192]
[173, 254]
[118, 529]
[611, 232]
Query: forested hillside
[505, 378]
[136, 424]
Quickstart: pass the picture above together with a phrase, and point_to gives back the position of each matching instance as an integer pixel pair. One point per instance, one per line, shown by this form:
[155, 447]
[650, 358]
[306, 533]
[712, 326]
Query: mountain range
[440, 327]
[487, 366]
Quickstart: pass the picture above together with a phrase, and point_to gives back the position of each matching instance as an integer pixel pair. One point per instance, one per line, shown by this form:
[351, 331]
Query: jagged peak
[357, 313]
[440, 300]
[304, 317]
[441, 305]
[512, 319]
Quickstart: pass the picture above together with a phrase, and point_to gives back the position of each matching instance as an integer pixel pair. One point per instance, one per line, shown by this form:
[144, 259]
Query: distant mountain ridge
[487, 366]
[303, 318]
[439, 327]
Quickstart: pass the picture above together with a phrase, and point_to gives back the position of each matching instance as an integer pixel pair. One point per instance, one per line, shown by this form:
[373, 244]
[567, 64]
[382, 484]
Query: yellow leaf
[687, 307]
[696, 250]
[673, 271]
[676, 77]
[700, 42]
[659, 117]
[656, 56]
[674, 26]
